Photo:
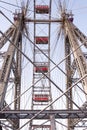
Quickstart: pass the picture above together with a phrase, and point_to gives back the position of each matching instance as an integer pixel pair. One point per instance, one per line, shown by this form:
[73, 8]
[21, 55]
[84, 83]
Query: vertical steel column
[68, 79]
[18, 75]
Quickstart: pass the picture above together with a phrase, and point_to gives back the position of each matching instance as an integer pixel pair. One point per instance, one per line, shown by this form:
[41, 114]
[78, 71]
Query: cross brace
[28, 114]
[43, 20]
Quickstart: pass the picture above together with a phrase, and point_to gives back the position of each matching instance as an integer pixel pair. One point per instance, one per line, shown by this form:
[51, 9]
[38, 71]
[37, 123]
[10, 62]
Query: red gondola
[41, 98]
[41, 40]
[40, 69]
[42, 9]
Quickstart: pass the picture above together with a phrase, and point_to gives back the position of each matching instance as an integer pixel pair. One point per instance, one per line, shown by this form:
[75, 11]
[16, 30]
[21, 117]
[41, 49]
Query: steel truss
[41, 92]
[28, 114]
[12, 62]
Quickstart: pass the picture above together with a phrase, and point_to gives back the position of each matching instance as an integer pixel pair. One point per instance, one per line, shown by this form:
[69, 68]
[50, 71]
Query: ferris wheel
[43, 67]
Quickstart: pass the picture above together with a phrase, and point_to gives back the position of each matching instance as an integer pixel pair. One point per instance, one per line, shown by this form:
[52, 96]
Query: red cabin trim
[42, 9]
[41, 40]
[41, 69]
[41, 98]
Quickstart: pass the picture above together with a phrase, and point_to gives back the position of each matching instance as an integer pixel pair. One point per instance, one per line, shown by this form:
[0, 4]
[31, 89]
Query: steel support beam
[8, 34]
[78, 55]
[80, 35]
[43, 20]
[28, 114]
[68, 79]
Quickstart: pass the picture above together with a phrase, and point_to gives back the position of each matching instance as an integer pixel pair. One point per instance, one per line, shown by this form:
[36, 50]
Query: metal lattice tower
[41, 93]
[42, 114]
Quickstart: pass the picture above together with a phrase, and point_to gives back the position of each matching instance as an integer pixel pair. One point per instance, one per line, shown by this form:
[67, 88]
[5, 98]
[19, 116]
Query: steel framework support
[58, 114]
[68, 79]
[78, 55]
[73, 34]
[12, 63]
[43, 89]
